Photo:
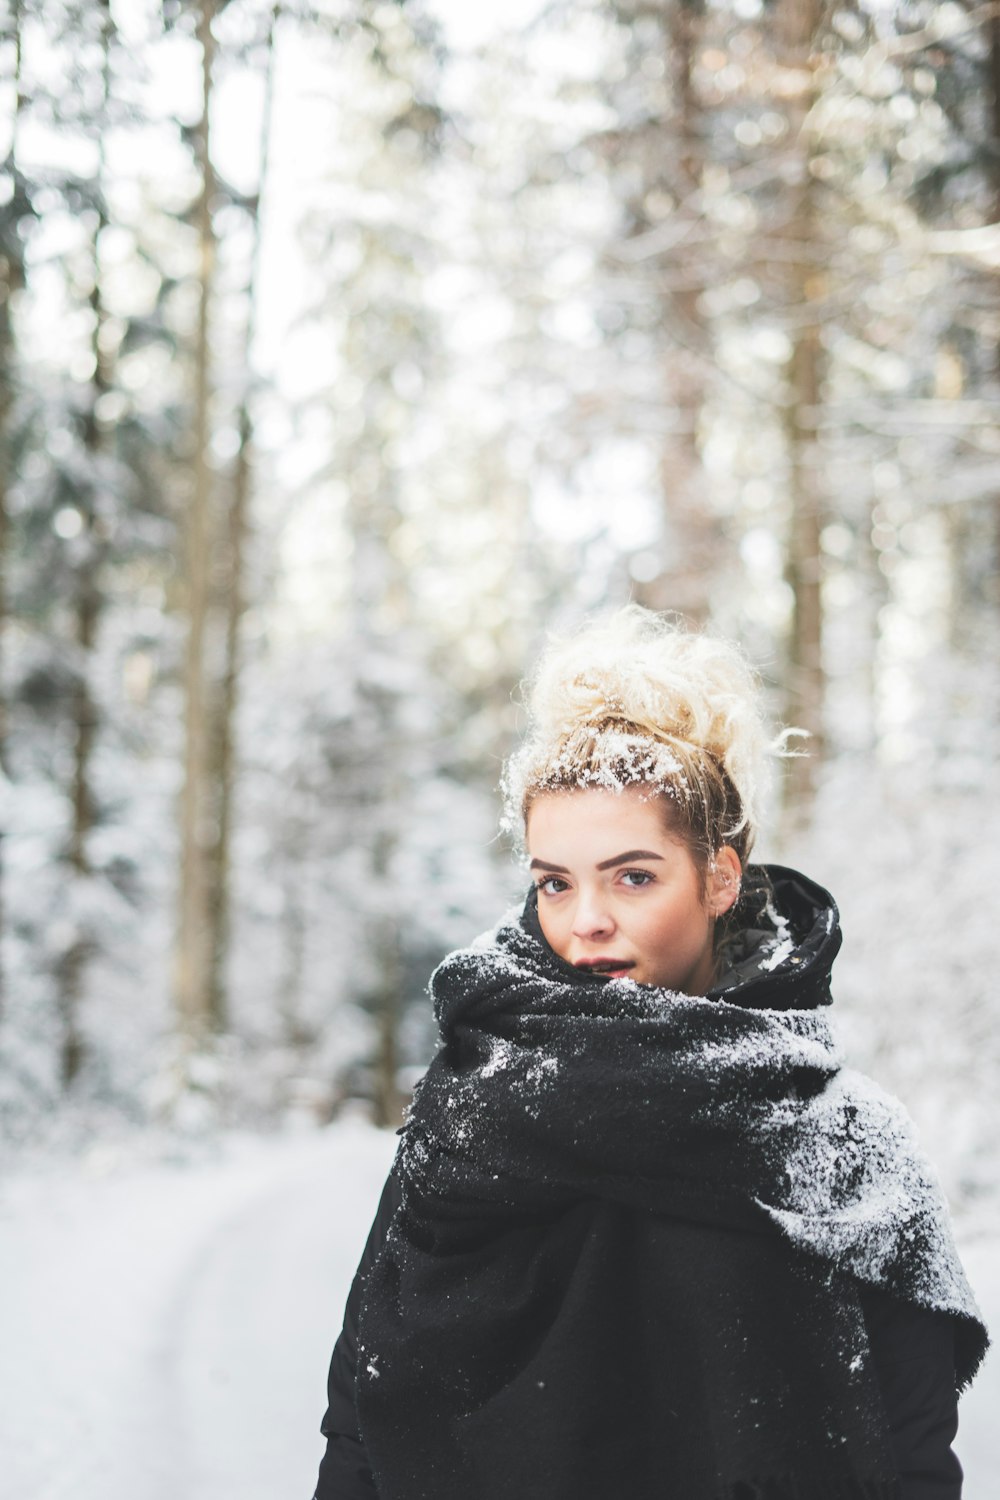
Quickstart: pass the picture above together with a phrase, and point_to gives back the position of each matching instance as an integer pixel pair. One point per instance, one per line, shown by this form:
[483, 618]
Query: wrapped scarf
[632, 1228]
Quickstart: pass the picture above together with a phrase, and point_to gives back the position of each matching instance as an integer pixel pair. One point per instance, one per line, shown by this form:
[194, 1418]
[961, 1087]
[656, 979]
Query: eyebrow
[605, 864]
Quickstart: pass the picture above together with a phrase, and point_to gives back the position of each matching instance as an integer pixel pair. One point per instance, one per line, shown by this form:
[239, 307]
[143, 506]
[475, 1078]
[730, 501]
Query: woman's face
[619, 895]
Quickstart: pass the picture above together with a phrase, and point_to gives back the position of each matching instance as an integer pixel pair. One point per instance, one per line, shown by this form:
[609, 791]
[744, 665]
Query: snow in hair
[636, 699]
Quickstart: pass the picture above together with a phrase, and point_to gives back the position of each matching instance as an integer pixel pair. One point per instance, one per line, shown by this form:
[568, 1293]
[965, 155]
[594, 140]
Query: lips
[612, 968]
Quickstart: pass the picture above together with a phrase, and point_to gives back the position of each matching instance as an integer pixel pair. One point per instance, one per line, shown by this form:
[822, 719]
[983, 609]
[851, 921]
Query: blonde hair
[637, 699]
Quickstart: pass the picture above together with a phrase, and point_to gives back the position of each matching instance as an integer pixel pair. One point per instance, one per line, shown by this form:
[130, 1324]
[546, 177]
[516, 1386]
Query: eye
[636, 879]
[549, 884]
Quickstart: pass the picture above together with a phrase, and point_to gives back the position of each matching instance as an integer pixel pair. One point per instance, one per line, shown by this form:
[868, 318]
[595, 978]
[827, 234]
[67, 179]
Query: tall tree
[11, 280]
[797, 25]
[663, 143]
[87, 604]
[963, 186]
[221, 750]
[194, 950]
[382, 232]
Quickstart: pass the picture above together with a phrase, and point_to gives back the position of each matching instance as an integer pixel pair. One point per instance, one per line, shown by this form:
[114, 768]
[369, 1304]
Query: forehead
[591, 819]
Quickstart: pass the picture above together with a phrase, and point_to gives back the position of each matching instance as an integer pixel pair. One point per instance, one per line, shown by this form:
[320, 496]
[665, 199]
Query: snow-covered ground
[165, 1330]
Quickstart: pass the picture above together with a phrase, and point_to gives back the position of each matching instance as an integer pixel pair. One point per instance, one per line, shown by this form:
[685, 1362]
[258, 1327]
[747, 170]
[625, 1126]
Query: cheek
[557, 934]
[550, 927]
[682, 921]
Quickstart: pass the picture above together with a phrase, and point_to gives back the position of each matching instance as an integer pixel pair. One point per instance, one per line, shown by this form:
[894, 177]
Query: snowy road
[166, 1331]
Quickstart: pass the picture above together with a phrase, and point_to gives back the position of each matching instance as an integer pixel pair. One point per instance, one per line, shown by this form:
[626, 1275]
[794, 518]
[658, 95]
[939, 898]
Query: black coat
[912, 1349]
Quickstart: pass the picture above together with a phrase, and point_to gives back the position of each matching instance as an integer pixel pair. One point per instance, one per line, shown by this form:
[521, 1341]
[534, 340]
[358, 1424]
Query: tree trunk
[994, 157]
[994, 123]
[387, 1105]
[87, 609]
[294, 931]
[223, 740]
[11, 280]
[693, 537]
[384, 771]
[798, 22]
[193, 968]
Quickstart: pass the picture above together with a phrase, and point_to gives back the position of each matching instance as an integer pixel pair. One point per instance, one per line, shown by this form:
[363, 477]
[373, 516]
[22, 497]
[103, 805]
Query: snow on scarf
[558, 1105]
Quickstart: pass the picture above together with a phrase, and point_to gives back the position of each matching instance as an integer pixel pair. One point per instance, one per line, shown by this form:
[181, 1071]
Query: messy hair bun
[637, 699]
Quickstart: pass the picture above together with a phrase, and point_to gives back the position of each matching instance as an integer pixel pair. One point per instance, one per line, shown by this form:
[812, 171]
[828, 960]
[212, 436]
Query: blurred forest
[345, 349]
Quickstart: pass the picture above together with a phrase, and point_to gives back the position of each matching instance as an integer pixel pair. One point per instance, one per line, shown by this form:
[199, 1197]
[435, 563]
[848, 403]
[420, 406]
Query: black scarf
[625, 1265]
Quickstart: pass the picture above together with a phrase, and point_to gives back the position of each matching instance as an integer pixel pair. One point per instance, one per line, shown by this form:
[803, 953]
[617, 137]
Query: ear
[724, 880]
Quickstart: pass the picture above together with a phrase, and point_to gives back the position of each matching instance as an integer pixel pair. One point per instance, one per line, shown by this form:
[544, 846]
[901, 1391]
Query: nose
[591, 919]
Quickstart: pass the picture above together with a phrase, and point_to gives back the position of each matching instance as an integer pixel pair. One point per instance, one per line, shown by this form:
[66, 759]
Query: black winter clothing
[913, 1354]
[912, 1349]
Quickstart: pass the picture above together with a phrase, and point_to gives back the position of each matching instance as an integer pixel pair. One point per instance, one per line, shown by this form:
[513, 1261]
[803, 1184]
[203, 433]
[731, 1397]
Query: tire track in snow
[242, 1367]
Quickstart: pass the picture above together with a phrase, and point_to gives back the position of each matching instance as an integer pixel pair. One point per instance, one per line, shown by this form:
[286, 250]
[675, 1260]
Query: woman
[644, 1235]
